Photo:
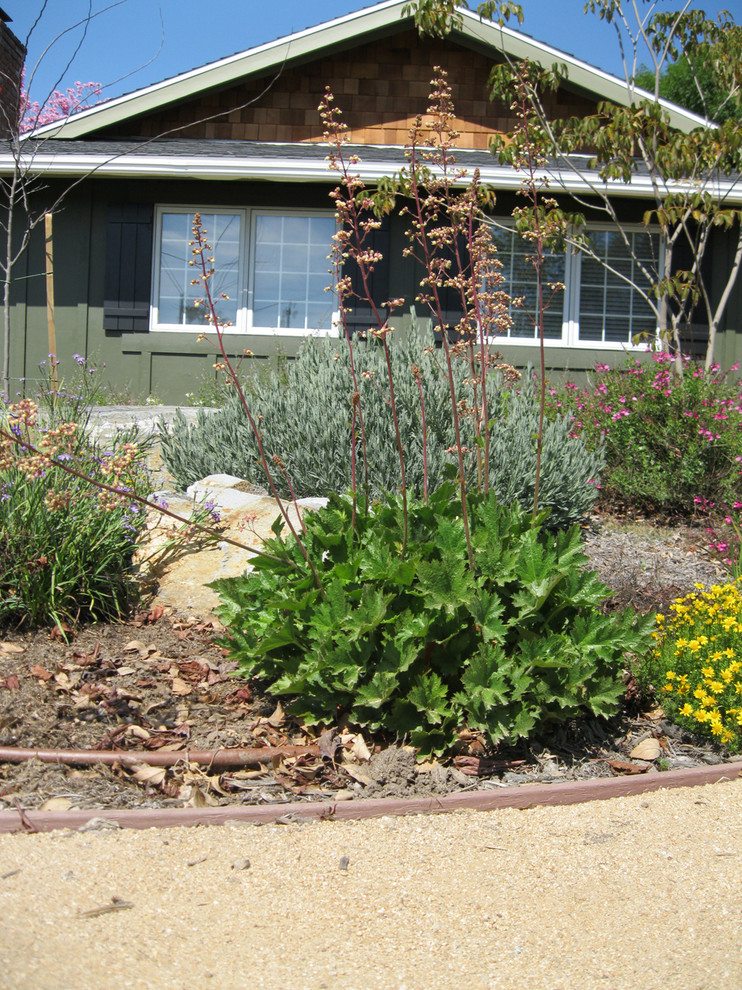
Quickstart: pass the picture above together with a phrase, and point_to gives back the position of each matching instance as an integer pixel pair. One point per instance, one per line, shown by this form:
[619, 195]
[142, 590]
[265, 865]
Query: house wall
[171, 364]
[380, 86]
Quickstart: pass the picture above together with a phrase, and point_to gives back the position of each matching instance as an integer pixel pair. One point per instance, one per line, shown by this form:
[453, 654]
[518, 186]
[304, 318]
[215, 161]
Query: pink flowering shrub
[668, 441]
[723, 525]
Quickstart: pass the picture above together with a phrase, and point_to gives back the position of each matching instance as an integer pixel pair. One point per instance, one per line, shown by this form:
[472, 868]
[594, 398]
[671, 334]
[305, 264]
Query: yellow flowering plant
[696, 665]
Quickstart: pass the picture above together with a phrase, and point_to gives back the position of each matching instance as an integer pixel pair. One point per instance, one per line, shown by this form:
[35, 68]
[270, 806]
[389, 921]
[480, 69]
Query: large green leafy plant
[421, 612]
[421, 645]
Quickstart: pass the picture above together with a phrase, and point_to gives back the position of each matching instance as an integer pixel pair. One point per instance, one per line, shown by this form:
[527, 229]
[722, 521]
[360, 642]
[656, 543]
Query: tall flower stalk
[204, 262]
[540, 221]
[356, 224]
[453, 245]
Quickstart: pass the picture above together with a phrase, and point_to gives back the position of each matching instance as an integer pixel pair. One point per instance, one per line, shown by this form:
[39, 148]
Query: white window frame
[533, 341]
[571, 299]
[573, 271]
[243, 323]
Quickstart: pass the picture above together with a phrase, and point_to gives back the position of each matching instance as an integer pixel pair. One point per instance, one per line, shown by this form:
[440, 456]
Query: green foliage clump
[67, 546]
[412, 640]
[695, 667]
[670, 443]
[695, 86]
[306, 420]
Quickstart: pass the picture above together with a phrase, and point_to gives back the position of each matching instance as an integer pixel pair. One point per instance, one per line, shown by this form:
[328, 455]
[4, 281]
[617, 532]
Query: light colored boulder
[213, 482]
[314, 502]
[182, 580]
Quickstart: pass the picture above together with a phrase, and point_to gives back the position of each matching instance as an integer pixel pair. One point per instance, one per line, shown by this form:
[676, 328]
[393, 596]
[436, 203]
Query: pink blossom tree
[58, 106]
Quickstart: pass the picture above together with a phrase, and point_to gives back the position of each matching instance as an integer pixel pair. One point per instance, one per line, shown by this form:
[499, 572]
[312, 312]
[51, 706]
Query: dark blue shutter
[128, 274]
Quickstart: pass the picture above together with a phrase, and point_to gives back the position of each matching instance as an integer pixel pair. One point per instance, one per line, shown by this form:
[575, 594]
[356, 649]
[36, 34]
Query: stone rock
[225, 492]
[213, 481]
[314, 502]
[57, 804]
[183, 579]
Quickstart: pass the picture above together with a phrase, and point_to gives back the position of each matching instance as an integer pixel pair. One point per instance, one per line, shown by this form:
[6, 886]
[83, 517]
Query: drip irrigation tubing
[158, 758]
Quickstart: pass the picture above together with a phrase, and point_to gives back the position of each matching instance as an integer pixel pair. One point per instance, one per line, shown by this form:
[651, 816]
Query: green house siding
[169, 365]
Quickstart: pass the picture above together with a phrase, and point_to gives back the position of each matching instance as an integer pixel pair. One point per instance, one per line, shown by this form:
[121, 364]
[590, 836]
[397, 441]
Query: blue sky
[137, 42]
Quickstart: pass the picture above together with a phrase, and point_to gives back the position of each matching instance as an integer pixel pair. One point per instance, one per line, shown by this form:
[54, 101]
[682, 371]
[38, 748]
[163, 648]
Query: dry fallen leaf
[647, 749]
[328, 743]
[81, 658]
[12, 648]
[41, 672]
[619, 766]
[138, 732]
[356, 748]
[156, 613]
[196, 797]
[136, 646]
[145, 774]
[62, 632]
[277, 718]
[11, 683]
[358, 775]
[180, 687]
[191, 670]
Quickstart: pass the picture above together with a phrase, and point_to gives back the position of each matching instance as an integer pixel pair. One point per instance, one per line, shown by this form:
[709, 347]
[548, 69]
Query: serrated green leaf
[486, 609]
[378, 690]
[446, 588]
[430, 696]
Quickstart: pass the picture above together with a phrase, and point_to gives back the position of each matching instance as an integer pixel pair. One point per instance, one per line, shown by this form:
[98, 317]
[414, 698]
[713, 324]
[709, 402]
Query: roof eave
[317, 170]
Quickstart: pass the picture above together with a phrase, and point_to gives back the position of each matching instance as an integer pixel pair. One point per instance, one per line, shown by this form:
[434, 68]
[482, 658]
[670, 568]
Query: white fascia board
[264, 58]
[582, 74]
[280, 169]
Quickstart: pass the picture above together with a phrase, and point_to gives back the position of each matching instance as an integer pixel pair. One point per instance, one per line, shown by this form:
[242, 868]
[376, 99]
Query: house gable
[380, 86]
[360, 28]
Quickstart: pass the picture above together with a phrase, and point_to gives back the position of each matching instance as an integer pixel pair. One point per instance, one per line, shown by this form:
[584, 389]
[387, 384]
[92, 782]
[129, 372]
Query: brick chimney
[12, 56]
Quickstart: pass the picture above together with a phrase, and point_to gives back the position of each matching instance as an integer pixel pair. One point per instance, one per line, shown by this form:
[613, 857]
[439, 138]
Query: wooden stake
[51, 326]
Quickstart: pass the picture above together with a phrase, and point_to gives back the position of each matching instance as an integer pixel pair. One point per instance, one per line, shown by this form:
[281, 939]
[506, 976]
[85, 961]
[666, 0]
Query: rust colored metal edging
[522, 796]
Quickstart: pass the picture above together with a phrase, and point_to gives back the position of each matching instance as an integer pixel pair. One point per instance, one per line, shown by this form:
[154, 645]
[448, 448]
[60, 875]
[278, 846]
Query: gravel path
[635, 893]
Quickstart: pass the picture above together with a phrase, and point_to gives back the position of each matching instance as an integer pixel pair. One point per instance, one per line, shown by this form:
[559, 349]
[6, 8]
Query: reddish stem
[205, 275]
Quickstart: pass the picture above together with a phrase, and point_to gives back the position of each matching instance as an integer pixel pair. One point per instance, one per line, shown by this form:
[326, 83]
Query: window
[520, 282]
[611, 311]
[600, 306]
[271, 266]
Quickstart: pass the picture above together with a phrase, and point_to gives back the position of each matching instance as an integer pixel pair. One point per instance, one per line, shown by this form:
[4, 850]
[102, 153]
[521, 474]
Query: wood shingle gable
[380, 88]
[341, 50]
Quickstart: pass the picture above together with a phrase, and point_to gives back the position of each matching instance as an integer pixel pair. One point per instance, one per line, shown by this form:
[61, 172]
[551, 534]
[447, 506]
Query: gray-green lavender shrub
[306, 420]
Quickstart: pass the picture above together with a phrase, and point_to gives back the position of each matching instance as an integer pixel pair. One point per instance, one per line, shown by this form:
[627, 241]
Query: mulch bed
[162, 684]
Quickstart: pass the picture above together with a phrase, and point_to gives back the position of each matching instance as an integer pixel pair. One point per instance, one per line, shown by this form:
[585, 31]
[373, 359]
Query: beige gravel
[634, 893]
